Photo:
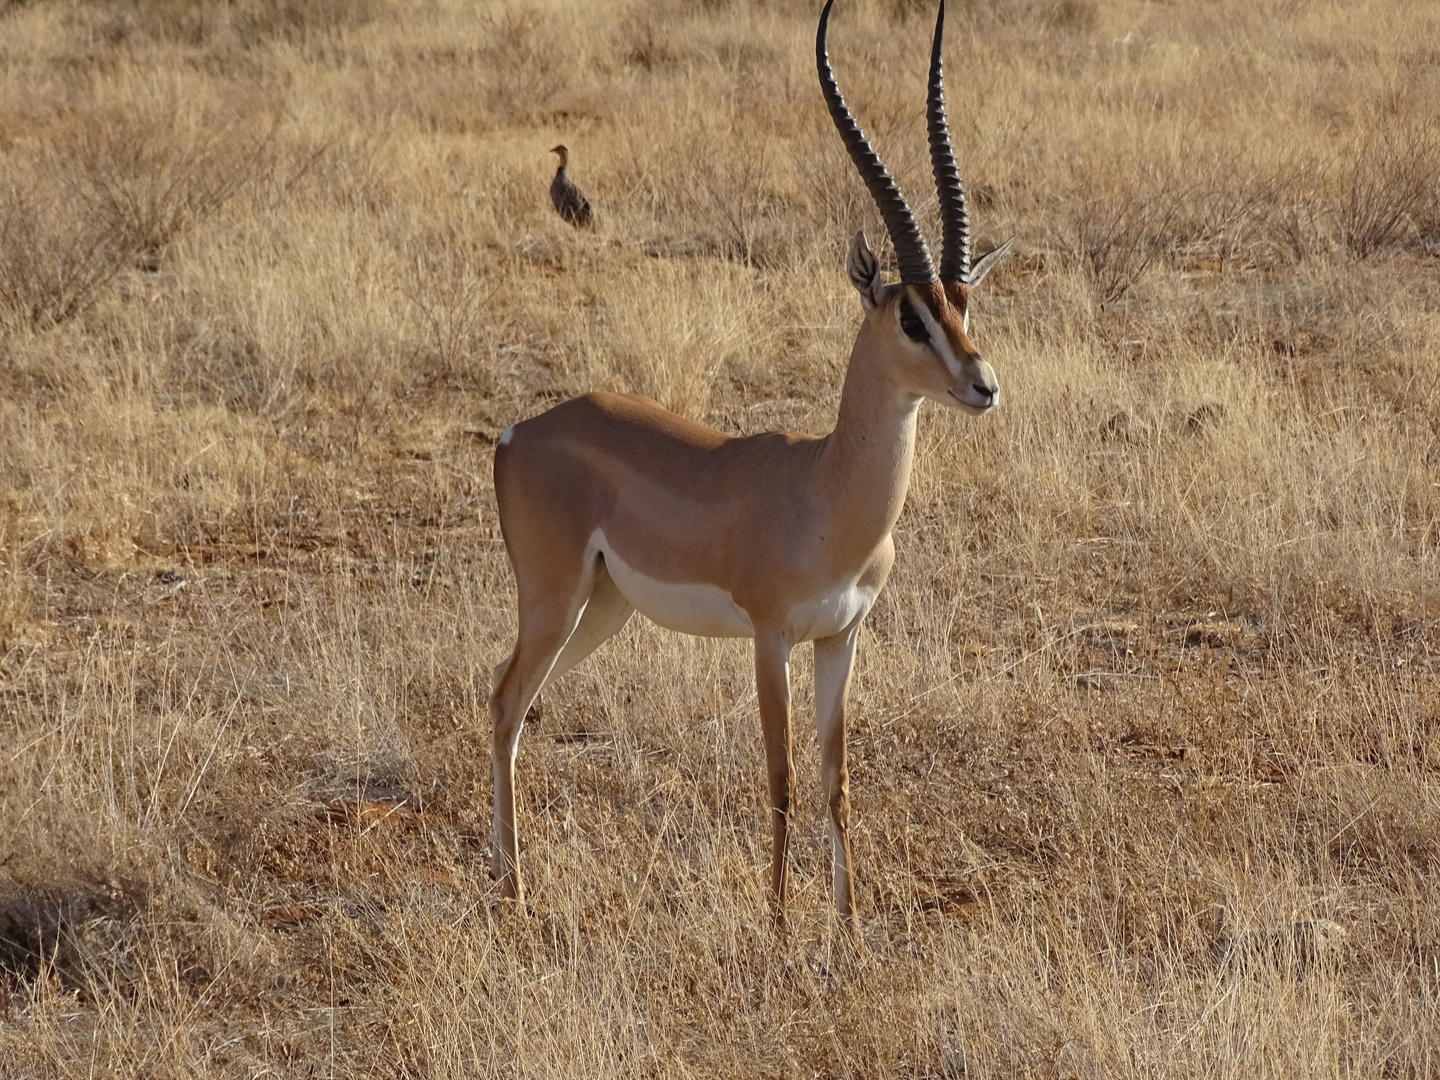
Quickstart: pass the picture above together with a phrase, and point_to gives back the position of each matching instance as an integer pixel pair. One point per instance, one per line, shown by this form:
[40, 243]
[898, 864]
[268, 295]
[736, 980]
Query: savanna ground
[1146, 731]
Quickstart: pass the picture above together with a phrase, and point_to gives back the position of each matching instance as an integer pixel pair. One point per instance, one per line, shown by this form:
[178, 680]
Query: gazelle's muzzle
[977, 389]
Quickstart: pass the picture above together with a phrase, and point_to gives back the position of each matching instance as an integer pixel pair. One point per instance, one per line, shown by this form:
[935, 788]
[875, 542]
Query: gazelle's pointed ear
[864, 271]
[987, 262]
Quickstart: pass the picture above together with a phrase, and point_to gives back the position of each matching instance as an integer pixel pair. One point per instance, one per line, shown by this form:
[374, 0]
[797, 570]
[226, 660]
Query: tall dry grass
[1146, 727]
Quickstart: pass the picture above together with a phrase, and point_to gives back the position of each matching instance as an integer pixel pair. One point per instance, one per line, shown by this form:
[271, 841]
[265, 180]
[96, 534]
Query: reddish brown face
[930, 324]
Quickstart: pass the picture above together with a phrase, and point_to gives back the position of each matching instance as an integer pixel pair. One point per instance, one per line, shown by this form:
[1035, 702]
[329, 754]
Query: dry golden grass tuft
[1147, 729]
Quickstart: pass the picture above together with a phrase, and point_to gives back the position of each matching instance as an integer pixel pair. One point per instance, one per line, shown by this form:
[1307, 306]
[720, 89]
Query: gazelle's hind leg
[546, 624]
[553, 638]
[605, 615]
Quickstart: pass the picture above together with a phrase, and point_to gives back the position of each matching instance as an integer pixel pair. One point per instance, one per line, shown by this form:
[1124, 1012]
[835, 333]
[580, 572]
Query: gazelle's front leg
[772, 686]
[833, 659]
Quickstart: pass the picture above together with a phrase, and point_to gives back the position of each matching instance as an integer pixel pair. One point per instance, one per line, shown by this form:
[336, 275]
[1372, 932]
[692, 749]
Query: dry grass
[1147, 730]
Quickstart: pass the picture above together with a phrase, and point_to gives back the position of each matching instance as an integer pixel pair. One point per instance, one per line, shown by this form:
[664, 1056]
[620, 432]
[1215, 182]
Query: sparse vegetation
[1146, 743]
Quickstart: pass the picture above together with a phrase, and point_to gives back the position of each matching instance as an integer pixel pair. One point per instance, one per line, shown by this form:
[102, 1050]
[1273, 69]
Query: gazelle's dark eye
[911, 324]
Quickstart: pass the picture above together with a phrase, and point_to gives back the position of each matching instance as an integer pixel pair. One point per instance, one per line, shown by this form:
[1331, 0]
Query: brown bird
[569, 201]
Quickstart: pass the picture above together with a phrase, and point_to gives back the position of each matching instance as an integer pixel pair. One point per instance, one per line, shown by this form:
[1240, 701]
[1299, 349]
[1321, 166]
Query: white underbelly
[690, 608]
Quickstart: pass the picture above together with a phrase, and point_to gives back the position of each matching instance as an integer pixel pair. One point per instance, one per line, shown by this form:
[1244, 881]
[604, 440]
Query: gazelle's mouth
[976, 406]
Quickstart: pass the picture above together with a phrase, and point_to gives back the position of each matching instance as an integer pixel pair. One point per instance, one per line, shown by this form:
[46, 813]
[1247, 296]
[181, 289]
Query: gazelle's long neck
[866, 459]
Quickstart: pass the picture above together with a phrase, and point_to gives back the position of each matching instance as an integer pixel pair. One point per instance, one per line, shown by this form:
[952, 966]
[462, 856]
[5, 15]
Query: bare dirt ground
[1146, 728]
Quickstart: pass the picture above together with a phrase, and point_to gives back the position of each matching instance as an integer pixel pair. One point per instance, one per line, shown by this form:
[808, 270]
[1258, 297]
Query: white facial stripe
[939, 339]
[505, 435]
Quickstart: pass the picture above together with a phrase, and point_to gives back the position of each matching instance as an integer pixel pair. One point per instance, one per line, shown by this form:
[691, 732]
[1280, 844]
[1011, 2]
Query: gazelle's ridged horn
[954, 213]
[911, 253]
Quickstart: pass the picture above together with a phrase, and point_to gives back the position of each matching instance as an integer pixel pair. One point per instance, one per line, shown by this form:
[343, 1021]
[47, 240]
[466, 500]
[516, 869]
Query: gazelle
[609, 504]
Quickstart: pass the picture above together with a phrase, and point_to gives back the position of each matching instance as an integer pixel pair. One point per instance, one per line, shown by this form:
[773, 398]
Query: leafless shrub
[708, 200]
[260, 21]
[525, 63]
[1427, 225]
[737, 188]
[1386, 181]
[450, 294]
[643, 42]
[1117, 236]
[1226, 207]
[149, 187]
[249, 24]
[1073, 16]
[1291, 223]
[1080, 16]
[904, 10]
[1375, 197]
[55, 254]
[111, 193]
